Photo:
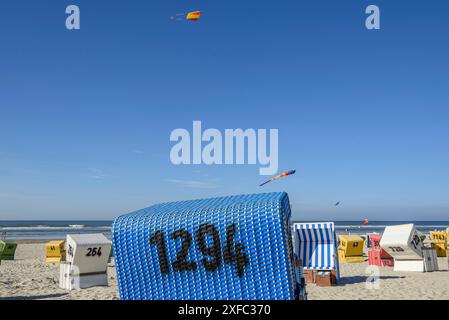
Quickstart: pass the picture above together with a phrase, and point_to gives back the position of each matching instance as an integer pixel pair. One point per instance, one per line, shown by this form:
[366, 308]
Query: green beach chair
[7, 250]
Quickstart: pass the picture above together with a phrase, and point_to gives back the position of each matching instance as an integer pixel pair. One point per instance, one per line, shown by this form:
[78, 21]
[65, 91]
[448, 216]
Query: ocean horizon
[58, 229]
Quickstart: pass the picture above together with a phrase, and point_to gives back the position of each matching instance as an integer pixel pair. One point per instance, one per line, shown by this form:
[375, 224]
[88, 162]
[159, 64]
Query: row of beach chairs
[83, 259]
[238, 247]
[400, 247]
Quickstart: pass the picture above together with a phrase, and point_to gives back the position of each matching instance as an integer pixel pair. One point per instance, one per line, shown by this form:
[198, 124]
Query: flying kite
[282, 175]
[194, 16]
[337, 204]
[191, 16]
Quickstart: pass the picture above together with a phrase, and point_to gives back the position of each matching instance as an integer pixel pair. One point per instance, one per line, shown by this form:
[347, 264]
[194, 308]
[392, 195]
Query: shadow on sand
[45, 296]
[358, 279]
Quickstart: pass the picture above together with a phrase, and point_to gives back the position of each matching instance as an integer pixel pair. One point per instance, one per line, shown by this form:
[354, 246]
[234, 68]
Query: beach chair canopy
[316, 245]
[402, 242]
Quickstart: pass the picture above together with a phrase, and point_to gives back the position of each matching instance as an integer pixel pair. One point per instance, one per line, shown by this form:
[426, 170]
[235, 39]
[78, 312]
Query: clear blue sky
[363, 116]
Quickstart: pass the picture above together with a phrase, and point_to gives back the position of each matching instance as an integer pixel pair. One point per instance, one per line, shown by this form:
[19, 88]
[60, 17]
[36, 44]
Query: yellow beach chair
[55, 251]
[439, 242]
[350, 249]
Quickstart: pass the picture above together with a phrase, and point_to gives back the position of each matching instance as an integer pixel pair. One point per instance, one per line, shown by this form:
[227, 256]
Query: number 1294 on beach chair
[227, 248]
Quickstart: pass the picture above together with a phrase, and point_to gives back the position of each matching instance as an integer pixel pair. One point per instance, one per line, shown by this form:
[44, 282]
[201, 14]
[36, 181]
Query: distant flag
[282, 175]
[364, 222]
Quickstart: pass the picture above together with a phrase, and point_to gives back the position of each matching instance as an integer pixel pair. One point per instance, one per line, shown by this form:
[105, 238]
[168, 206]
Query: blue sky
[85, 116]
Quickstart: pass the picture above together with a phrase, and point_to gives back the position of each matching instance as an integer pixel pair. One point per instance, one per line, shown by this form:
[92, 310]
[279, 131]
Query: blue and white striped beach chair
[316, 246]
[227, 248]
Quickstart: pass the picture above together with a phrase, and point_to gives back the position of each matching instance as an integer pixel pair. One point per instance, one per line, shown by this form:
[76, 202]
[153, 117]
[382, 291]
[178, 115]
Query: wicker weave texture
[228, 248]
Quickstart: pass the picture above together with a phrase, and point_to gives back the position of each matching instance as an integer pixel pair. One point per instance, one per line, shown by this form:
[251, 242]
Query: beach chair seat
[7, 250]
[87, 258]
[342, 258]
[380, 258]
[409, 265]
[55, 251]
[325, 278]
[428, 263]
[227, 248]
[70, 279]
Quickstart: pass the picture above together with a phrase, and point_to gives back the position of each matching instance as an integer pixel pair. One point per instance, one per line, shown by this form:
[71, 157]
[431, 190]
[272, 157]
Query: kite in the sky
[337, 204]
[194, 16]
[282, 175]
[191, 16]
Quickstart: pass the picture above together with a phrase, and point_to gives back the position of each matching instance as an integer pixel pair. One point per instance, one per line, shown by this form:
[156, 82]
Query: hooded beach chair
[55, 251]
[316, 246]
[439, 242]
[235, 248]
[376, 255]
[351, 249]
[7, 250]
[87, 258]
[404, 244]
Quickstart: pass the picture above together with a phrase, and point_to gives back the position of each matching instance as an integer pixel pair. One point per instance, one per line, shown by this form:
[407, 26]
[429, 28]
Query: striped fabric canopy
[316, 245]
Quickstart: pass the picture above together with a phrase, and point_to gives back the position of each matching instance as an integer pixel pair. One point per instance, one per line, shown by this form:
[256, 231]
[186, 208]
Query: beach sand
[392, 285]
[29, 277]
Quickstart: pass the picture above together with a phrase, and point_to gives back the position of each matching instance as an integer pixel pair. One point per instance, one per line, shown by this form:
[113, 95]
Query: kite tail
[264, 183]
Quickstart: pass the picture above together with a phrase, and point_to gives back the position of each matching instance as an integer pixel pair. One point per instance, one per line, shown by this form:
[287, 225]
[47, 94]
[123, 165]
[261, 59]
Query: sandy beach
[392, 285]
[29, 277]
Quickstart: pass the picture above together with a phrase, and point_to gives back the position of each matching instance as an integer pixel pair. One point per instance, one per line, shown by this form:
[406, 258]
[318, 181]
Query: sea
[52, 230]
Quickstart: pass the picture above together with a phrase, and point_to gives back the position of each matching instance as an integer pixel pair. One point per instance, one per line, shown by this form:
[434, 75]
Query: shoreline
[31, 241]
